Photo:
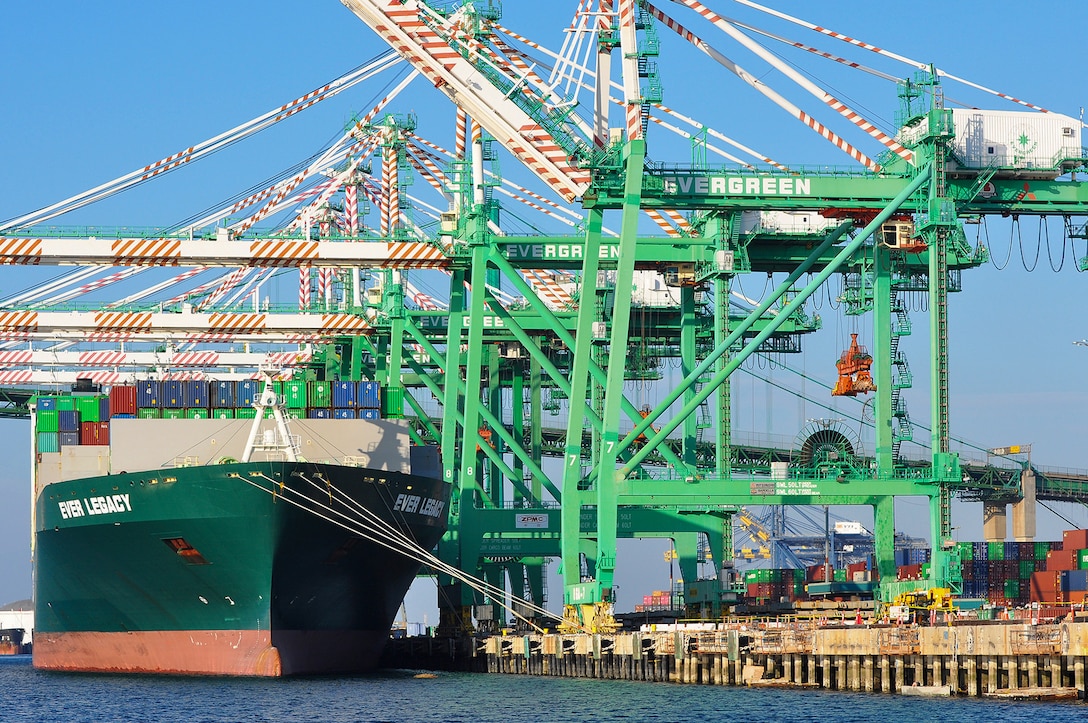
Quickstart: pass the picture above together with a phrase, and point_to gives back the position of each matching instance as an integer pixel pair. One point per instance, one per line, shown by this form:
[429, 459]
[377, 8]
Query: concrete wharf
[998, 658]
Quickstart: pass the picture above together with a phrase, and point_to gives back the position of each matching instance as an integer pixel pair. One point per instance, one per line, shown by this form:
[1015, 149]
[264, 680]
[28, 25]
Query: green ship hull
[259, 568]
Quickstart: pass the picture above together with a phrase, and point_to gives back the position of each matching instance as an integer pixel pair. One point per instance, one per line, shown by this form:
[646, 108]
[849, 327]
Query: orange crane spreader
[854, 374]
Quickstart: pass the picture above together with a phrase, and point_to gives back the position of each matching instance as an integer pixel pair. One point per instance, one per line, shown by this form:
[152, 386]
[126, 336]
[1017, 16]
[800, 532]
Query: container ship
[225, 528]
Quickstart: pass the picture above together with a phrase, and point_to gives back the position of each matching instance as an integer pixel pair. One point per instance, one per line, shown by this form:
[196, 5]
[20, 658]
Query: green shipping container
[1041, 548]
[839, 576]
[245, 413]
[173, 414]
[149, 413]
[995, 550]
[295, 394]
[1026, 568]
[196, 413]
[1012, 589]
[966, 550]
[66, 403]
[222, 414]
[393, 403]
[48, 421]
[1082, 557]
[88, 408]
[321, 394]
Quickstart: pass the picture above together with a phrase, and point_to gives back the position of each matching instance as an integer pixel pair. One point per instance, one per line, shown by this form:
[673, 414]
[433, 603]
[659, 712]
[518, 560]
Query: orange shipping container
[1075, 540]
[1064, 559]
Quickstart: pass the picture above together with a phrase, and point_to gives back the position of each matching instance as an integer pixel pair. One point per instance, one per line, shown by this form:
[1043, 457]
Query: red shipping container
[122, 400]
[103, 432]
[1063, 559]
[88, 433]
[1075, 540]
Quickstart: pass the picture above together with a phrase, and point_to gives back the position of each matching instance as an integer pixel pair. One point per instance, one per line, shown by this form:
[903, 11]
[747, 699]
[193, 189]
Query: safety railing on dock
[1036, 641]
[898, 641]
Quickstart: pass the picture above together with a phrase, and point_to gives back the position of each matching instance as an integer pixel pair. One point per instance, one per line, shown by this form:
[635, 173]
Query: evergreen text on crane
[737, 185]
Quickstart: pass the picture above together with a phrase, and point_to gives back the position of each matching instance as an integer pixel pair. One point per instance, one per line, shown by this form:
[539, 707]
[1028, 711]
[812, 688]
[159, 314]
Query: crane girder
[187, 326]
[182, 251]
[522, 125]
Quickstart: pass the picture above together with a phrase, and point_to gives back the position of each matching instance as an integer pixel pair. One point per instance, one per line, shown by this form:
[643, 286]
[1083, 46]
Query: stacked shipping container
[83, 419]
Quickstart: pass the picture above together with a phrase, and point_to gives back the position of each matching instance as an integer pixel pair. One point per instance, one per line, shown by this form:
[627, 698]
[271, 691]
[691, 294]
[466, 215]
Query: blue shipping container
[321, 413]
[48, 442]
[68, 421]
[343, 395]
[245, 392]
[46, 403]
[172, 394]
[149, 394]
[123, 416]
[369, 414]
[194, 393]
[221, 395]
[104, 408]
[69, 439]
[343, 414]
[1074, 580]
[368, 395]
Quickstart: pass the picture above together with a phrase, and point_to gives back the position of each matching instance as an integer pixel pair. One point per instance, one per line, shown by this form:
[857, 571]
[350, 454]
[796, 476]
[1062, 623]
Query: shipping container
[46, 403]
[1075, 539]
[1061, 559]
[246, 392]
[222, 414]
[88, 408]
[149, 413]
[221, 395]
[68, 420]
[122, 400]
[172, 413]
[343, 395]
[88, 433]
[148, 394]
[48, 442]
[66, 403]
[320, 394]
[173, 396]
[68, 439]
[368, 395]
[343, 414]
[196, 413]
[369, 414]
[320, 413]
[393, 402]
[294, 393]
[47, 421]
[245, 412]
[1074, 580]
[194, 393]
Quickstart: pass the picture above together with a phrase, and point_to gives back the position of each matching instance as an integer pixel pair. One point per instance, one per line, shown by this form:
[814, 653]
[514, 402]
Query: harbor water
[32, 695]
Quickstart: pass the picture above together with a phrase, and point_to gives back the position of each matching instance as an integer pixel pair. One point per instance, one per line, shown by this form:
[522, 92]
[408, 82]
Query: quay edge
[998, 659]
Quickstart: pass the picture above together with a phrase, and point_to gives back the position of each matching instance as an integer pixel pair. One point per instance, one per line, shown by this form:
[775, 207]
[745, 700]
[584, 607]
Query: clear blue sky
[95, 90]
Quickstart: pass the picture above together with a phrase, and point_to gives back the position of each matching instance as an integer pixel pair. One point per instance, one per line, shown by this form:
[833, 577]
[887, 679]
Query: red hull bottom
[209, 652]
